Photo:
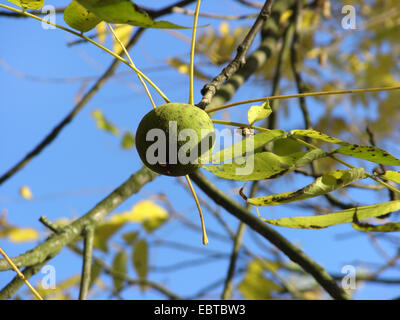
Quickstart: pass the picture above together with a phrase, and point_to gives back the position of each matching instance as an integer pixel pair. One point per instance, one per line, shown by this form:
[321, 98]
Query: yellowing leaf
[224, 29]
[123, 32]
[15, 234]
[101, 30]
[146, 212]
[104, 232]
[26, 193]
[285, 16]
[255, 286]
[184, 68]
[29, 4]
[392, 176]
[369, 153]
[257, 113]
[340, 217]
[318, 135]
[328, 182]
[103, 123]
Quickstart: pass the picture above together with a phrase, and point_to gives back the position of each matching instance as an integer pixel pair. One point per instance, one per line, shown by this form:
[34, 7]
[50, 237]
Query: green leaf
[286, 146]
[29, 4]
[80, 18]
[366, 227]
[128, 140]
[255, 286]
[391, 175]
[263, 165]
[317, 135]
[340, 217]
[140, 259]
[130, 237]
[326, 183]
[94, 273]
[370, 153]
[249, 145]
[126, 12]
[119, 266]
[103, 123]
[257, 113]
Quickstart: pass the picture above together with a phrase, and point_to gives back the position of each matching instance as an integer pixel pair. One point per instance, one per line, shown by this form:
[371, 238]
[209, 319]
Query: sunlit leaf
[146, 212]
[125, 12]
[317, 135]
[184, 68]
[391, 175]
[249, 145]
[17, 234]
[370, 153]
[326, 183]
[123, 32]
[103, 123]
[101, 30]
[29, 4]
[79, 18]
[255, 286]
[26, 193]
[263, 165]
[340, 217]
[257, 113]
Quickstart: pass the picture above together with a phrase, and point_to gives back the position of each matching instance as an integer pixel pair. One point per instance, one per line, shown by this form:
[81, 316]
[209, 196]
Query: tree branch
[270, 34]
[56, 242]
[292, 252]
[211, 88]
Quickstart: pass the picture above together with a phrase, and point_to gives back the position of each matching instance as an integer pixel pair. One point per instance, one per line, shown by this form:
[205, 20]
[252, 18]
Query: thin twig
[214, 16]
[20, 274]
[237, 242]
[87, 262]
[211, 88]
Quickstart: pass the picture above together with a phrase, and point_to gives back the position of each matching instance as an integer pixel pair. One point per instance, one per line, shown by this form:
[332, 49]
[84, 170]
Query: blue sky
[83, 164]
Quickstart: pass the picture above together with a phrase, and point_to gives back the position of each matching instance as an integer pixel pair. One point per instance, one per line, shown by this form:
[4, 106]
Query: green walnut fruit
[175, 139]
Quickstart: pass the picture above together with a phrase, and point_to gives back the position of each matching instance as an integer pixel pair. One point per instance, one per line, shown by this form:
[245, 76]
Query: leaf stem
[20, 274]
[203, 228]
[306, 94]
[130, 60]
[192, 49]
[93, 42]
